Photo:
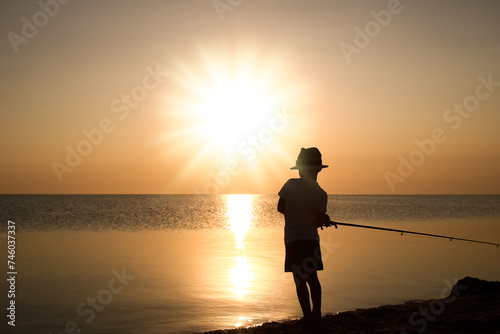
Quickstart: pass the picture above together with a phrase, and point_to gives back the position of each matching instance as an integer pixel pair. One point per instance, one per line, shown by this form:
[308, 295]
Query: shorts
[303, 255]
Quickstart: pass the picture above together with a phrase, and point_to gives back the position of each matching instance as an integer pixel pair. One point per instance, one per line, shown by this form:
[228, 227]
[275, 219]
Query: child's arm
[322, 219]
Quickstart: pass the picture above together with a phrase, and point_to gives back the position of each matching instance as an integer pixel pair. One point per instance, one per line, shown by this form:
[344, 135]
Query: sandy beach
[472, 307]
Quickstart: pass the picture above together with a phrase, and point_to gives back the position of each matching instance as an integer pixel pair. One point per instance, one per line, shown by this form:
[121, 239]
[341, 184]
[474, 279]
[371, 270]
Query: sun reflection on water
[239, 216]
[239, 222]
[242, 321]
[241, 276]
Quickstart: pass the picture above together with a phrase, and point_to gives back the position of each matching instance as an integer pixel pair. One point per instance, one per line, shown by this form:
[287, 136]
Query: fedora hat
[309, 158]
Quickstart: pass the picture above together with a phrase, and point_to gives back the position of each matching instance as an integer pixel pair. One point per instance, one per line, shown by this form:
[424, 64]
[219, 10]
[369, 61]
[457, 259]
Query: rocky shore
[473, 306]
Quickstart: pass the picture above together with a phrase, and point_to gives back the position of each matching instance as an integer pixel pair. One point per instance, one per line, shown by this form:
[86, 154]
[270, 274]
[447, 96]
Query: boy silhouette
[303, 203]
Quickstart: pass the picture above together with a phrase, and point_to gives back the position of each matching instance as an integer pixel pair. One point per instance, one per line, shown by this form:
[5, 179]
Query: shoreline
[472, 307]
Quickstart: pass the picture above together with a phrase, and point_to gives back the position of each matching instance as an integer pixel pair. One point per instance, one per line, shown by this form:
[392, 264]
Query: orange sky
[401, 97]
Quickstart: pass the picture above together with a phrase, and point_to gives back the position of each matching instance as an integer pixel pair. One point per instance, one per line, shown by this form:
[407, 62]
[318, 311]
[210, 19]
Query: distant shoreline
[474, 309]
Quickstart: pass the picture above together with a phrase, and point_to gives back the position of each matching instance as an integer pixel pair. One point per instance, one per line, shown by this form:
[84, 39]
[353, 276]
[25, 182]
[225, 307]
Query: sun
[229, 110]
[226, 95]
[222, 98]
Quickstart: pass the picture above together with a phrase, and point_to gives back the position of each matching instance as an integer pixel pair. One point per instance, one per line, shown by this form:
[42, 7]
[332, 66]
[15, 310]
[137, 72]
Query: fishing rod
[332, 223]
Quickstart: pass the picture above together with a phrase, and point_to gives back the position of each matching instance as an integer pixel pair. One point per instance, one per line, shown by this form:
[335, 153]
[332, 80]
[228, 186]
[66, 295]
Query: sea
[193, 263]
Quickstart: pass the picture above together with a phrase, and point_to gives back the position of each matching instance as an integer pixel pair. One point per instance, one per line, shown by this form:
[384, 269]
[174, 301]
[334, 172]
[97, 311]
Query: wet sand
[472, 307]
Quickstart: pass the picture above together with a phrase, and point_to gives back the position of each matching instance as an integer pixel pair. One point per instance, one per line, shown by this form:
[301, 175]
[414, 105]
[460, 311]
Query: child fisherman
[303, 203]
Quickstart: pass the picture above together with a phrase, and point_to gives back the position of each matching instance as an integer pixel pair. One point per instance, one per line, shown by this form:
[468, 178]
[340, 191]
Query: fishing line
[332, 223]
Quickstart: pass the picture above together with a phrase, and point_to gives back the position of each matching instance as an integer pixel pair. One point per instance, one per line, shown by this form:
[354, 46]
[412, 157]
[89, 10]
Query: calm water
[183, 264]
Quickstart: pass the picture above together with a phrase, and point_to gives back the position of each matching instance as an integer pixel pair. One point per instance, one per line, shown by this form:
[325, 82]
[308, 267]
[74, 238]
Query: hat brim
[310, 167]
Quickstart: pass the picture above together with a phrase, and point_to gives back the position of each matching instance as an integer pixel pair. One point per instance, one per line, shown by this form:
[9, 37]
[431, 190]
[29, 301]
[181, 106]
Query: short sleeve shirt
[304, 199]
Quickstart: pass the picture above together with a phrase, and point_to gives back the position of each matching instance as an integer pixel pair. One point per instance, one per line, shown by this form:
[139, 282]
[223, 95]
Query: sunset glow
[179, 98]
[231, 111]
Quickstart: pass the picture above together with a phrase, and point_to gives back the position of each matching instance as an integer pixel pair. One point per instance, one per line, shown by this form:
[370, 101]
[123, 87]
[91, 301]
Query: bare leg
[303, 295]
[315, 287]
